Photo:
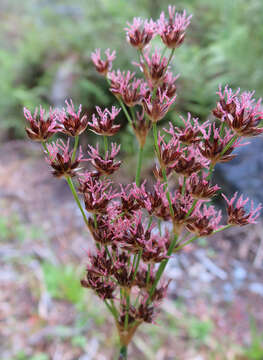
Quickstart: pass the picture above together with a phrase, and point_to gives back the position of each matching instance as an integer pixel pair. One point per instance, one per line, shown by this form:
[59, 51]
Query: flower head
[104, 165]
[172, 30]
[97, 275]
[168, 84]
[204, 220]
[237, 214]
[130, 89]
[155, 68]
[97, 193]
[103, 124]
[141, 127]
[191, 163]
[200, 188]
[72, 123]
[215, 146]
[156, 108]
[40, 129]
[168, 152]
[140, 32]
[61, 160]
[103, 66]
[191, 132]
[241, 112]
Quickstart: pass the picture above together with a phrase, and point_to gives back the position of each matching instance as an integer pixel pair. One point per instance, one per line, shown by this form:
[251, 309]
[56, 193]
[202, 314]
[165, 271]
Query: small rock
[256, 288]
[229, 292]
[239, 273]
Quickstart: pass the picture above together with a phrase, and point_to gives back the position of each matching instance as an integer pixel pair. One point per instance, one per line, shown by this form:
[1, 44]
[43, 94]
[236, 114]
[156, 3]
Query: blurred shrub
[47, 58]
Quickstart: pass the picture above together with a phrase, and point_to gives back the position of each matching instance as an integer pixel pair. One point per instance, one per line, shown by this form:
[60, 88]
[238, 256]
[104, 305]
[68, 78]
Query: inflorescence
[132, 249]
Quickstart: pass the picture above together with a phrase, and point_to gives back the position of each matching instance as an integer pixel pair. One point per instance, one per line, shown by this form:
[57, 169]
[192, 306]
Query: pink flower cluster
[132, 246]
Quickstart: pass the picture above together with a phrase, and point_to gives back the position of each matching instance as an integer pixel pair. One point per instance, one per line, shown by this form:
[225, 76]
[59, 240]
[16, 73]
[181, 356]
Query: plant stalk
[139, 166]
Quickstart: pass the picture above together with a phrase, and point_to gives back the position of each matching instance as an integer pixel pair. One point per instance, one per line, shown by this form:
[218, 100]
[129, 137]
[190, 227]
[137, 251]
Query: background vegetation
[46, 45]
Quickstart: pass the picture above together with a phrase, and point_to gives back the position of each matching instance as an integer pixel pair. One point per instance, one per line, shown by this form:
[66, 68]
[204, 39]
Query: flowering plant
[132, 248]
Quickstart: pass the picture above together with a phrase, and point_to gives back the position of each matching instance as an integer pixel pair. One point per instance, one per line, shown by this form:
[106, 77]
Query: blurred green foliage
[255, 350]
[63, 282]
[46, 45]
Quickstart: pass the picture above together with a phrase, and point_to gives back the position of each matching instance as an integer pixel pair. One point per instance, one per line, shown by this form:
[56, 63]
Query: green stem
[187, 242]
[125, 110]
[159, 227]
[111, 310]
[106, 145]
[75, 148]
[127, 311]
[122, 105]
[107, 251]
[197, 236]
[75, 195]
[163, 170]
[170, 58]
[183, 188]
[45, 146]
[212, 165]
[231, 142]
[115, 311]
[221, 229]
[162, 267]
[148, 274]
[137, 264]
[123, 352]
[139, 166]
[95, 221]
[191, 209]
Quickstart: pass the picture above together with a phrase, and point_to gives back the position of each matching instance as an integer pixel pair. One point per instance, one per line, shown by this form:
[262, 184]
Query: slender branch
[197, 236]
[106, 145]
[191, 208]
[212, 165]
[75, 147]
[123, 352]
[111, 309]
[183, 187]
[163, 170]
[45, 146]
[122, 105]
[127, 311]
[75, 195]
[139, 166]
[137, 264]
[162, 267]
[125, 111]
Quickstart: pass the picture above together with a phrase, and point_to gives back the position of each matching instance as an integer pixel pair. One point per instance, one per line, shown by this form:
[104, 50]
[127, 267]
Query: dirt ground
[216, 289]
